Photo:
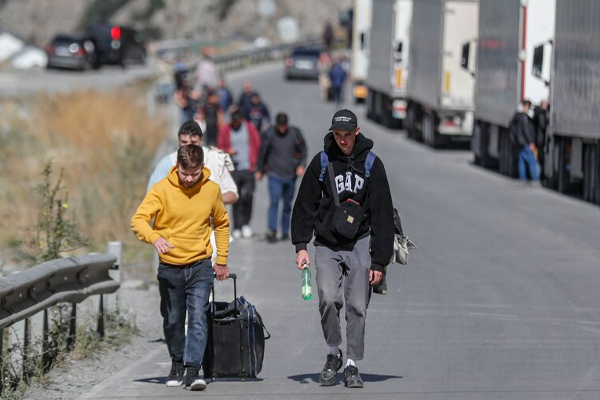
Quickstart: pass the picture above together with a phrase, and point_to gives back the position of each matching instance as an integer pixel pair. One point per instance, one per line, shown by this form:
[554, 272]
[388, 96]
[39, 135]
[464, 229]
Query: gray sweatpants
[344, 276]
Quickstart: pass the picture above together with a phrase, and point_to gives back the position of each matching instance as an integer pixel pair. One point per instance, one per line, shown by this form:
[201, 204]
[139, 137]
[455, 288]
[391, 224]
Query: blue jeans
[280, 188]
[185, 288]
[526, 156]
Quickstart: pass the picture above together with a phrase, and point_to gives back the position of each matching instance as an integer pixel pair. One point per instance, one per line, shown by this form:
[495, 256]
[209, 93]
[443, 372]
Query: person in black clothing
[257, 112]
[346, 266]
[522, 133]
[212, 117]
[541, 122]
[283, 158]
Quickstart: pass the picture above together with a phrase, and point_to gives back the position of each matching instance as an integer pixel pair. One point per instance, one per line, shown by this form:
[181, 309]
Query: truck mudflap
[399, 107]
[457, 125]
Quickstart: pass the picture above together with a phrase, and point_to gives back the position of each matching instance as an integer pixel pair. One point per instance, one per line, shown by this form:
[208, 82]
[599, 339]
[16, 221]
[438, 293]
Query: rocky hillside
[38, 20]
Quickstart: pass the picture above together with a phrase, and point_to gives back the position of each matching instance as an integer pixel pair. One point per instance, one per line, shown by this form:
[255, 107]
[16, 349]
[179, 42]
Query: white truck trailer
[360, 48]
[441, 92]
[509, 31]
[387, 72]
[572, 148]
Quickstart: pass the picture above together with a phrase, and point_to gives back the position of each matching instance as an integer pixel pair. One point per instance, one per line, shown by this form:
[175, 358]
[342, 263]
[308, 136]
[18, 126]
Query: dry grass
[104, 141]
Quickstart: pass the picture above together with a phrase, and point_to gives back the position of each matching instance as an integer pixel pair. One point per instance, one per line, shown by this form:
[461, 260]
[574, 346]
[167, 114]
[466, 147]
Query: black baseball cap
[344, 120]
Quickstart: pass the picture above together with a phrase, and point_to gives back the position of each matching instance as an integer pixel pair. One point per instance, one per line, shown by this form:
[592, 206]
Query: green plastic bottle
[306, 285]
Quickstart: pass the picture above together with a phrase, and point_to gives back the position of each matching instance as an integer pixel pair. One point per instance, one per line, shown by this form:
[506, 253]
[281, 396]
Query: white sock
[335, 350]
[350, 362]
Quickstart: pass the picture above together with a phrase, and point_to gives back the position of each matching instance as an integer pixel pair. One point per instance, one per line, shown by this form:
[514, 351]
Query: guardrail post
[101, 317]
[26, 346]
[113, 300]
[46, 345]
[2, 357]
[72, 327]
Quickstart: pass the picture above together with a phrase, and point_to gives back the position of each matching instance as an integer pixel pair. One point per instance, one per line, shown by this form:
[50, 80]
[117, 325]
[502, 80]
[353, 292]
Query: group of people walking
[184, 216]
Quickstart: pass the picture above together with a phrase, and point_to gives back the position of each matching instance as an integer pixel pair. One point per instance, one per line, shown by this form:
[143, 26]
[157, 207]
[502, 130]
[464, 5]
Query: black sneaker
[271, 236]
[192, 379]
[352, 377]
[332, 366]
[175, 378]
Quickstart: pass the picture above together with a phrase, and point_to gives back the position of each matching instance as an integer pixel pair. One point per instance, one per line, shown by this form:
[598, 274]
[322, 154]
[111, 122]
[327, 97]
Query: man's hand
[259, 176]
[375, 277]
[302, 259]
[232, 152]
[532, 146]
[299, 170]
[162, 245]
[221, 271]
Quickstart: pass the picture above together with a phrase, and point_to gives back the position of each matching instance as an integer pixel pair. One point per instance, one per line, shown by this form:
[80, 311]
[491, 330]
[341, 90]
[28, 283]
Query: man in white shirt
[218, 162]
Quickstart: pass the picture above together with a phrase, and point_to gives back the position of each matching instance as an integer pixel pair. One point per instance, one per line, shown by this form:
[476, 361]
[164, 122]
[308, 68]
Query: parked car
[303, 63]
[71, 51]
[117, 45]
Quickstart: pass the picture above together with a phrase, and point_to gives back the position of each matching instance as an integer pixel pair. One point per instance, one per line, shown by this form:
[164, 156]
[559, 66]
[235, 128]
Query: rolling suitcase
[236, 339]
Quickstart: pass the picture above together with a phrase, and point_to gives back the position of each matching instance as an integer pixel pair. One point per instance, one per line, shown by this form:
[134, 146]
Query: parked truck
[572, 148]
[509, 32]
[440, 92]
[387, 72]
[360, 48]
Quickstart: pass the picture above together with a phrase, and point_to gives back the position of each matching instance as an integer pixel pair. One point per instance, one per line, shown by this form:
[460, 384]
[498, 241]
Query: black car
[72, 51]
[303, 63]
[117, 45]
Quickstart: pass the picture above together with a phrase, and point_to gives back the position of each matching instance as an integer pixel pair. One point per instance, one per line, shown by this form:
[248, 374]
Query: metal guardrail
[27, 295]
[244, 58]
[67, 280]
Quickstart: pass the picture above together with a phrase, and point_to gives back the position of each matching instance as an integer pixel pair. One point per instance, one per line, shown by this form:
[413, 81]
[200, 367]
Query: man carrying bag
[350, 214]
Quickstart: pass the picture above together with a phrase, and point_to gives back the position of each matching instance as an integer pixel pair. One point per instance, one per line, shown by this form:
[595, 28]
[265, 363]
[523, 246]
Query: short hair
[190, 156]
[526, 103]
[191, 128]
[281, 119]
[237, 114]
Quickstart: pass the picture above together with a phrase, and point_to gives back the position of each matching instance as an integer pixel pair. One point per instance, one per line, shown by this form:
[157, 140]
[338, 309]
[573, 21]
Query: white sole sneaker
[174, 383]
[198, 384]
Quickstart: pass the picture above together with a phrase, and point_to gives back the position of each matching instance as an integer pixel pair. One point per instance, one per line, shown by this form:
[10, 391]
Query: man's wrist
[300, 246]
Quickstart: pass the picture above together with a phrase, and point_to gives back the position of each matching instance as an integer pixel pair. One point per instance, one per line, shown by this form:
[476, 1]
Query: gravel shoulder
[75, 377]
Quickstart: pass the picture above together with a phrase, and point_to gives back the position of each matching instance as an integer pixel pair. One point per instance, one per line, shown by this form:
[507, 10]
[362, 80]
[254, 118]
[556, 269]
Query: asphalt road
[499, 301]
[19, 83]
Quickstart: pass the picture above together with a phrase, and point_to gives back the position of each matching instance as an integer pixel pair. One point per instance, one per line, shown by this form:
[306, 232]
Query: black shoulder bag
[347, 216]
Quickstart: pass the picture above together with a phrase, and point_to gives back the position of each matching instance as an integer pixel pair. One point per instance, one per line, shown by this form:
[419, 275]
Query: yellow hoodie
[183, 217]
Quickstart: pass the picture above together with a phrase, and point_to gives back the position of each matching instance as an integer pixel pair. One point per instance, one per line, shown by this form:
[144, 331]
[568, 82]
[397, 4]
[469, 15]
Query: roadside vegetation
[103, 142]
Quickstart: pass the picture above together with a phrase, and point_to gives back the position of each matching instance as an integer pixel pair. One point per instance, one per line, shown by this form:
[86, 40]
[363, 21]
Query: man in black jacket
[345, 266]
[522, 133]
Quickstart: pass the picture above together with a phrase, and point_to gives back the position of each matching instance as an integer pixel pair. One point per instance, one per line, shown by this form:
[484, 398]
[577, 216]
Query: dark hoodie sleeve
[306, 206]
[382, 217]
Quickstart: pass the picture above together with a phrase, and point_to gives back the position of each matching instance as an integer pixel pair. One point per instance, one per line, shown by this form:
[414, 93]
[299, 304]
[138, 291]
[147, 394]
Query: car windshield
[306, 52]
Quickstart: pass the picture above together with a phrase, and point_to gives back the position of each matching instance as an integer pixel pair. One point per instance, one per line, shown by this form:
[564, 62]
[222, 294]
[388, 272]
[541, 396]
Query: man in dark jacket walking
[346, 265]
[337, 75]
[283, 158]
[522, 133]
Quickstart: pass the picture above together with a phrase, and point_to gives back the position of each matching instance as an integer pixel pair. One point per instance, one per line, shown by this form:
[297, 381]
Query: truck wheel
[370, 115]
[563, 175]
[409, 122]
[591, 190]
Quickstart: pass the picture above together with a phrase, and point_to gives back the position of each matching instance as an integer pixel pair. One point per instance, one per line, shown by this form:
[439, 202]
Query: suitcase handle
[231, 276]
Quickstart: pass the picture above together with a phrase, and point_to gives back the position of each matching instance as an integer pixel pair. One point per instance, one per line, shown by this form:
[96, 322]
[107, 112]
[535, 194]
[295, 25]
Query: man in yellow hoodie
[183, 205]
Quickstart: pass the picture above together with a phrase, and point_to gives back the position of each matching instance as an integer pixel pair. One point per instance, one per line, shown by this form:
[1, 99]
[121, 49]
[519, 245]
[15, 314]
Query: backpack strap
[369, 163]
[324, 162]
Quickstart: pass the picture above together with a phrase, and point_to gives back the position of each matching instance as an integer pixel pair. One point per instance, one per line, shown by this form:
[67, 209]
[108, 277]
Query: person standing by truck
[522, 133]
